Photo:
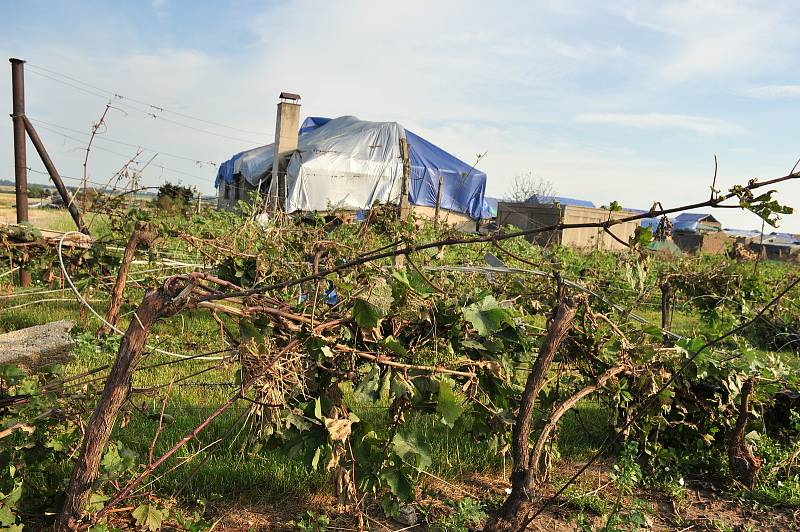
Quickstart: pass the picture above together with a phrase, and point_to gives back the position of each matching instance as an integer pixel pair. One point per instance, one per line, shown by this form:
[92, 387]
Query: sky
[625, 101]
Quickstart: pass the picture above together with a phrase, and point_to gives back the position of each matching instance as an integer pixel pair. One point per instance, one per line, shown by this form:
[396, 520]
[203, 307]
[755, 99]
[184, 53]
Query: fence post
[438, 203]
[405, 206]
[666, 297]
[20, 159]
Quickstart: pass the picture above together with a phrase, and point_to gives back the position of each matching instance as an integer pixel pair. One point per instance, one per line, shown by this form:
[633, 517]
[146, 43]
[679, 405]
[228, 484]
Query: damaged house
[350, 164]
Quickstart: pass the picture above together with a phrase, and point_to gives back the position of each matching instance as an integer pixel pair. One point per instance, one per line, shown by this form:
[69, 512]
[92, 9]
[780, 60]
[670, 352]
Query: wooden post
[666, 296]
[438, 203]
[51, 169]
[405, 206]
[20, 157]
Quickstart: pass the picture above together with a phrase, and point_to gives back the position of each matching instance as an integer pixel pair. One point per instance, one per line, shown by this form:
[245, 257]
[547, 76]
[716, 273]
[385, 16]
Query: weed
[311, 522]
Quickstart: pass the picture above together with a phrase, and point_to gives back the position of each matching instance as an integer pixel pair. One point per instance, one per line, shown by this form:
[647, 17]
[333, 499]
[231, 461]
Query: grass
[53, 219]
[231, 471]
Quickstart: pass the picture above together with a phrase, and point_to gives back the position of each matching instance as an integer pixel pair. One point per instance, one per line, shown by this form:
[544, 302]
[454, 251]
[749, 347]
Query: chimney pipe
[287, 125]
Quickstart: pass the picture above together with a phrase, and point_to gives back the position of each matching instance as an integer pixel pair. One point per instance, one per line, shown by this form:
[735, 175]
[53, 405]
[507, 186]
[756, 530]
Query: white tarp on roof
[354, 161]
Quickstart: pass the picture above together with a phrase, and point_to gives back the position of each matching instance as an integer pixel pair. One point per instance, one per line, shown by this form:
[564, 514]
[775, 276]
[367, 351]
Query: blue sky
[615, 100]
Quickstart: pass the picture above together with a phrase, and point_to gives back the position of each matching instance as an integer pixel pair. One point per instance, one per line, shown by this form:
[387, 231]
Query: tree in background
[37, 191]
[527, 185]
[173, 198]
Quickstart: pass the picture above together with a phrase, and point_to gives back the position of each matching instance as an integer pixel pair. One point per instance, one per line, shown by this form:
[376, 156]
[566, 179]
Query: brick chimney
[287, 124]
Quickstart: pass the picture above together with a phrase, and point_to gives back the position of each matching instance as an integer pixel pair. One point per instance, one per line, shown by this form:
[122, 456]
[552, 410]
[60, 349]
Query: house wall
[695, 243]
[530, 216]
[592, 237]
[229, 194]
[457, 220]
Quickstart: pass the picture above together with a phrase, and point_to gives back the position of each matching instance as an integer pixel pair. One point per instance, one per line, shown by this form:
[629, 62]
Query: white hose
[101, 318]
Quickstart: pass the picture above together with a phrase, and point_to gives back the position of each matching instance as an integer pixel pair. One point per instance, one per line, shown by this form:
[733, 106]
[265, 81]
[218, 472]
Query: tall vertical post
[405, 206]
[20, 159]
[666, 296]
[438, 203]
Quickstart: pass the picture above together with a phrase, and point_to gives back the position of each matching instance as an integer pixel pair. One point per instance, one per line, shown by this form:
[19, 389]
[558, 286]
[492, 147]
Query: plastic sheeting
[346, 163]
[351, 164]
[253, 165]
[463, 186]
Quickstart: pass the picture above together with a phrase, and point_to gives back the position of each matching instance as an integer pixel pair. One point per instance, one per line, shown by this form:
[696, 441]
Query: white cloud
[510, 85]
[697, 124]
[773, 91]
[708, 38]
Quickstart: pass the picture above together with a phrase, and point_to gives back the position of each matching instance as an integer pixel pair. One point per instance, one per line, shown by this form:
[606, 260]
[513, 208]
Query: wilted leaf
[411, 450]
[338, 429]
[486, 316]
[148, 517]
[366, 314]
[449, 407]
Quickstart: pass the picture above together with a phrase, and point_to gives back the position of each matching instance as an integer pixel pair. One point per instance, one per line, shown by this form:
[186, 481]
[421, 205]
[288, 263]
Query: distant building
[777, 246]
[696, 222]
[697, 233]
[550, 211]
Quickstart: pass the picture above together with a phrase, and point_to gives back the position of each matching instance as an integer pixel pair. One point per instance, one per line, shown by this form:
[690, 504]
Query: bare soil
[702, 509]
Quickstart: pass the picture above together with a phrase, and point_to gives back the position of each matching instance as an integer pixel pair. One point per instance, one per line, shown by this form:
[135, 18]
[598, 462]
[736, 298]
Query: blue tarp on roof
[463, 186]
[226, 170]
[561, 200]
[652, 223]
[313, 122]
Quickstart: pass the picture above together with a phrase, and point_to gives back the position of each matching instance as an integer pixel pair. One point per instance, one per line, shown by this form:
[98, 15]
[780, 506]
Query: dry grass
[55, 219]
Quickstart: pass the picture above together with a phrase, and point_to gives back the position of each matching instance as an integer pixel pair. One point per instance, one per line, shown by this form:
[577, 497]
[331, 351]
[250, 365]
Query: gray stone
[407, 515]
[34, 347]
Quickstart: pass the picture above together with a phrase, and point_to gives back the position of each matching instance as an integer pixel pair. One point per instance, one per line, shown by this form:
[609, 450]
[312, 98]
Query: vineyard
[309, 374]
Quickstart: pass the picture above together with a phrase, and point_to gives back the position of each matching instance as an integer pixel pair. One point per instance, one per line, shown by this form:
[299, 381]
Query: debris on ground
[34, 347]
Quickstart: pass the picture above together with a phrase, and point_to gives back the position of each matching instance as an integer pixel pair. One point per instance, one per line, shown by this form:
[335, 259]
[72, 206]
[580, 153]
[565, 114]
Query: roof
[694, 222]
[695, 217]
[562, 200]
[463, 186]
[782, 239]
[745, 233]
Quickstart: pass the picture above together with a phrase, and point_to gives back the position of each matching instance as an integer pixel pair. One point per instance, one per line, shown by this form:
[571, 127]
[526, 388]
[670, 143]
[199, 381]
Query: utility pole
[20, 159]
